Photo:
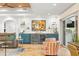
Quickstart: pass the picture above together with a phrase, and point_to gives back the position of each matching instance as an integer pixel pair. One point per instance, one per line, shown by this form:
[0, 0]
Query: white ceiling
[49, 9]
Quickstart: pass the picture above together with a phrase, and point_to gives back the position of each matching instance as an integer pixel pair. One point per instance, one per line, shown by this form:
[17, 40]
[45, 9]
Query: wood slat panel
[15, 5]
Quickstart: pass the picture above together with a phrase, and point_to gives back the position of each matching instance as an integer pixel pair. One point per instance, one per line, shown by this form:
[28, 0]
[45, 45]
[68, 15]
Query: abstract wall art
[38, 25]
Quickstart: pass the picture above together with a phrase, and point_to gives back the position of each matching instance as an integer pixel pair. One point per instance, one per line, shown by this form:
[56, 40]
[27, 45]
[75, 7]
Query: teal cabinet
[52, 36]
[25, 38]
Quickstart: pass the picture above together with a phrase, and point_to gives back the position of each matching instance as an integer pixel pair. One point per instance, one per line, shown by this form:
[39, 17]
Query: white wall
[28, 20]
[49, 22]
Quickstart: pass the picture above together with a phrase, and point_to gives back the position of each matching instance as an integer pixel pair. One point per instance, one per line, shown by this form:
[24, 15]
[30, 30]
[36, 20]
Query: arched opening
[9, 25]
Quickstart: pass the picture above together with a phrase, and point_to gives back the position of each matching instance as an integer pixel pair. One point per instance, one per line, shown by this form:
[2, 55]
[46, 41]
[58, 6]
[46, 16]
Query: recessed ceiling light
[1, 6]
[20, 6]
[54, 4]
[9, 18]
[48, 13]
[20, 10]
[3, 10]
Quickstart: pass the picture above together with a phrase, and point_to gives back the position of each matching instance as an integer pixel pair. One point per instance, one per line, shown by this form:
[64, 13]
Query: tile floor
[28, 50]
[32, 50]
[10, 51]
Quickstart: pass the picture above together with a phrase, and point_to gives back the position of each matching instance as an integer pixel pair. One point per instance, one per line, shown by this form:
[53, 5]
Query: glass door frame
[64, 40]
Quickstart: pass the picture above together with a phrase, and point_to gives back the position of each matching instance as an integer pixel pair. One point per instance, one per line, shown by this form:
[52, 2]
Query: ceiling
[50, 8]
[37, 9]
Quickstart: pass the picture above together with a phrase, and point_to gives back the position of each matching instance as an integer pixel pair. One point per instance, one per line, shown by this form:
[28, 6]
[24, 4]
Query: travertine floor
[31, 50]
[10, 51]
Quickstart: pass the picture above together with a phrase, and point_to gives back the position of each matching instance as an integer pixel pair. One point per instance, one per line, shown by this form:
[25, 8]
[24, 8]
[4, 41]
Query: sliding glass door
[70, 30]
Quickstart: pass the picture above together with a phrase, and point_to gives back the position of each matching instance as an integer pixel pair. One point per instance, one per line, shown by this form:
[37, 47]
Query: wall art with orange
[38, 25]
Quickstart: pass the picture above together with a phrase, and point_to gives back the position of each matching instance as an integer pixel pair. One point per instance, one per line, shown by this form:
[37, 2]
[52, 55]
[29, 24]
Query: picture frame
[38, 25]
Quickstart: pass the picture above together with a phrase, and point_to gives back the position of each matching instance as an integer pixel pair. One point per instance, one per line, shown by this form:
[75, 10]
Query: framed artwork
[38, 25]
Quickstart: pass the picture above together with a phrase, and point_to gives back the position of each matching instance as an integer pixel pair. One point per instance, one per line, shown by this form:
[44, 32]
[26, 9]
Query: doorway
[9, 25]
[70, 30]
